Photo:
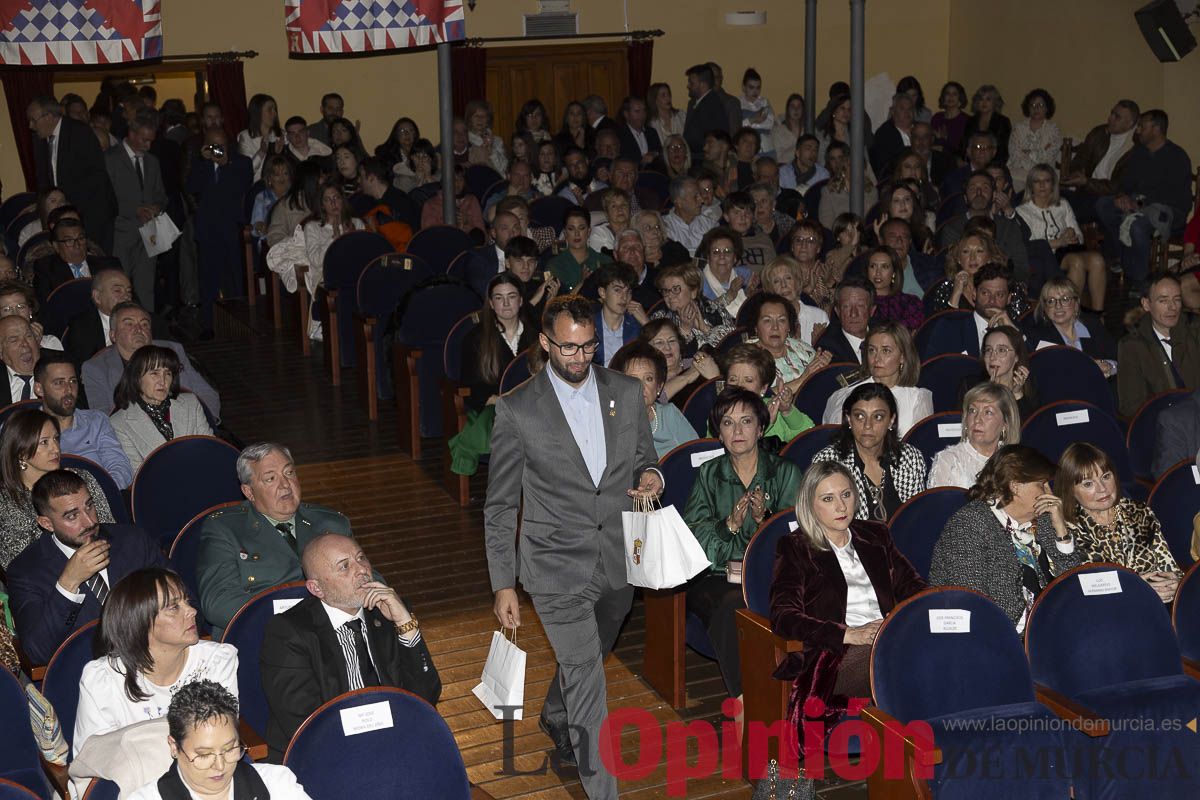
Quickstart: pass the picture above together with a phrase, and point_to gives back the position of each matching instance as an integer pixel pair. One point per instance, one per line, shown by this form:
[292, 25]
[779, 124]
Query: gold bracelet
[407, 627]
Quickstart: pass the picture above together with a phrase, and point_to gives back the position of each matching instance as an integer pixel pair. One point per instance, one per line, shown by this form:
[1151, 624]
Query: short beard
[567, 376]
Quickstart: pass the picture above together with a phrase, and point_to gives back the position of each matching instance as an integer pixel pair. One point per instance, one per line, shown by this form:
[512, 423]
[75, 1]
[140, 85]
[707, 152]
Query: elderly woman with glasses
[660, 251]
[684, 374]
[202, 734]
[804, 245]
[700, 320]
[1058, 319]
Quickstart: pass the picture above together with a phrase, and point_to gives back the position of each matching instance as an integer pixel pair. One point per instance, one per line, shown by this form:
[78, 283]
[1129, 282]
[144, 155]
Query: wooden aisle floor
[432, 550]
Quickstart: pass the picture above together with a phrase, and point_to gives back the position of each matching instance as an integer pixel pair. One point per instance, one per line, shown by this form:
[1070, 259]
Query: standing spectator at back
[1154, 198]
[705, 112]
[68, 155]
[137, 180]
[756, 109]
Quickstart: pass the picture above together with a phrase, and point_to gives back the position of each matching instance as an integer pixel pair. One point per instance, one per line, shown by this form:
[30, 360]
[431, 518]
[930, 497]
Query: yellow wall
[1088, 53]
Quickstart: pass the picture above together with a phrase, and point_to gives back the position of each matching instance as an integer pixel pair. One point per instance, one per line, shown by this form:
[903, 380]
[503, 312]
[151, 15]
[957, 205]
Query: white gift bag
[503, 679]
[660, 550]
[159, 234]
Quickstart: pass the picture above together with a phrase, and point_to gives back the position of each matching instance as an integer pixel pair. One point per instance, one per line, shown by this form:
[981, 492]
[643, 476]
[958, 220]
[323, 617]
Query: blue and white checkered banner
[47, 32]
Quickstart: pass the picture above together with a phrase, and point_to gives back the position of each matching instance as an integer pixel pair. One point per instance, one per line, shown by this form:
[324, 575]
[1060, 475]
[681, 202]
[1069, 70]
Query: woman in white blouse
[1035, 139]
[890, 359]
[151, 648]
[665, 118]
[989, 420]
[263, 135]
[1051, 219]
[788, 128]
[309, 242]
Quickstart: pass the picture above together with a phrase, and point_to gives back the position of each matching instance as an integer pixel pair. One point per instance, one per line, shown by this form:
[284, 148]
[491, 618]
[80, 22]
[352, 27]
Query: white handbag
[660, 550]
[502, 686]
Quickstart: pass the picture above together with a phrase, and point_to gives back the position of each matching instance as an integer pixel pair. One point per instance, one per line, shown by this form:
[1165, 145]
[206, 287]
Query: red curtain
[227, 88]
[468, 76]
[20, 87]
[641, 58]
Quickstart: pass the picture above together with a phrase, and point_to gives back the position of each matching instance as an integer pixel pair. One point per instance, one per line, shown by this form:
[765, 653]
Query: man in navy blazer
[964, 333]
[486, 262]
[705, 111]
[616, 322]
[60, 582]
[639, 142]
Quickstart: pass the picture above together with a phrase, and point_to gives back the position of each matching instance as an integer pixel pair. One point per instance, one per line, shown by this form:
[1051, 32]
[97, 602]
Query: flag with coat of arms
[360, 26]
[47, 32]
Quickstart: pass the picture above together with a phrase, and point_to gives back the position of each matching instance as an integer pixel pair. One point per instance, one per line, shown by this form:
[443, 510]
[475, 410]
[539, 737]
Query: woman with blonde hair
[963, 259]
[1050, 219]
[783, 277]
[990, 420]
[678, 156]
[836, 577]
[890, 359]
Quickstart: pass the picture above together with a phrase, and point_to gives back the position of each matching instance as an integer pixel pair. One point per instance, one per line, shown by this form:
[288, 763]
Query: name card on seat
[949, 430]
[1072, 417]
[793, 525]
[705, 456]
[1043, 344]
[1196, 474]
[949, 620]
[1100, 582]
[281, 606]
[371, 717]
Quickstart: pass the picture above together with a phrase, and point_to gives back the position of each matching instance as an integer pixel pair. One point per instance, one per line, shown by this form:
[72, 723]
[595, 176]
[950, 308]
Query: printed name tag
[1071, 417]
[949, 430]
[949, 620]
[1196, 474]
[372, 717]
[707, 455]
[281, 606]
[1100, 582]
[1043, 344]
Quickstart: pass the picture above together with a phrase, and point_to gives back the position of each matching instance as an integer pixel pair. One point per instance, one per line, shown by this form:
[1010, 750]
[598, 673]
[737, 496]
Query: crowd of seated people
[716, 243]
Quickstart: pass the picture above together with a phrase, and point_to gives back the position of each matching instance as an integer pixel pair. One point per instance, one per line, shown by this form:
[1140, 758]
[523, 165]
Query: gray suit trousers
[582, 628]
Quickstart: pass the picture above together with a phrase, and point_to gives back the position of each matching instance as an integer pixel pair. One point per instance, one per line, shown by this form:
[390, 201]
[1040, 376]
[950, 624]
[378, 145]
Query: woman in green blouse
[751, 367]
[731, 497]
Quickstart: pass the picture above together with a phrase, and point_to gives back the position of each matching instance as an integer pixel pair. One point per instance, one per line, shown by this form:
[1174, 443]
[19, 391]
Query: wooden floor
[432, 551]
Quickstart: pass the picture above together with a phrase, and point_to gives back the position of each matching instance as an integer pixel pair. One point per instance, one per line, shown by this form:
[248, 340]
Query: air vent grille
[551, 24]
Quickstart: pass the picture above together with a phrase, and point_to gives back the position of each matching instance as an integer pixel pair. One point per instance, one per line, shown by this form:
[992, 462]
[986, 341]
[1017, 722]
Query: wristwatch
[407, 628]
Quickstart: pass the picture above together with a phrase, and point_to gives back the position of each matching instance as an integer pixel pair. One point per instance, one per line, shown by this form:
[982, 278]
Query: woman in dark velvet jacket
[835, 580]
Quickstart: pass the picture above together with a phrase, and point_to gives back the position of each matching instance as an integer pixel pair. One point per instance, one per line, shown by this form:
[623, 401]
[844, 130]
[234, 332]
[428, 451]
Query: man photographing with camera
[575, 445]
[218, 181]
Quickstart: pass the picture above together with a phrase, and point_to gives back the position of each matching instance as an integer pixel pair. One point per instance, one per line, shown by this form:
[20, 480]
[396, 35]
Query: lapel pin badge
[612, 408]
[243, 555]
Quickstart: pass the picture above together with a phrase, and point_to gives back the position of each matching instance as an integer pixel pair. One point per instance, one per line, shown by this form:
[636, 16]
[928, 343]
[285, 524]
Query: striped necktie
[98, 587]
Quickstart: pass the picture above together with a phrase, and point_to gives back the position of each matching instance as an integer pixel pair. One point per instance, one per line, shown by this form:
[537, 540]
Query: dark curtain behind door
[20, 87]
[227, 88]
[641, 58]
[468, 76]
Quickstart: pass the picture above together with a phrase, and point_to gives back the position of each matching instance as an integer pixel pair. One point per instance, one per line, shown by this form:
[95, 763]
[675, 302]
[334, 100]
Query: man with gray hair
[68, 156]
[598, 120]
[141, 196]
[893, 135]
[688, 221]
[257, 544]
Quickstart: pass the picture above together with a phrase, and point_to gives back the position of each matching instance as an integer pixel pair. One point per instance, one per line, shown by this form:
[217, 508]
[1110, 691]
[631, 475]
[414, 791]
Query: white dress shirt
[640, 138]
[1117, 146]
[981, 326]
[581, 406]
[77, 597]
[912, 405]
[688, 234]
[957, 465]
[55, 138]
[855, 343]
[862, 606]
[105, 325]
[1165, 341]
[16, 386]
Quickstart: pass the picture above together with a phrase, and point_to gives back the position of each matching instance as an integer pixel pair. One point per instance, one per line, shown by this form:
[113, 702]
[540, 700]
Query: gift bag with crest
[660, 550]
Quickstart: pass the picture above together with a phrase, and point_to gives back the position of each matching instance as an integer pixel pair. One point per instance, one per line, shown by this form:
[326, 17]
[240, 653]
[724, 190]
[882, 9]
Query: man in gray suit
[141, 196]
[129, 329]
[573, 442]
[1177, 434]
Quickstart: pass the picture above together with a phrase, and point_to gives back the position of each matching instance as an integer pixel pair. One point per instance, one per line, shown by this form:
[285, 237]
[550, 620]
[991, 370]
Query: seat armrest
[1081, 718]
[255, 746]
[759, 627]
[58, 776]
[923, 752]
[1191, 668]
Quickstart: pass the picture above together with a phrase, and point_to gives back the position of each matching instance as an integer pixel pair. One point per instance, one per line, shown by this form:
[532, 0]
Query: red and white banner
[361, 26]
[37, 32]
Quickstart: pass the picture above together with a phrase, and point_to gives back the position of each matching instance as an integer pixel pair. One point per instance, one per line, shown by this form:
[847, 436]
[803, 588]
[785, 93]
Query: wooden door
[556, 75]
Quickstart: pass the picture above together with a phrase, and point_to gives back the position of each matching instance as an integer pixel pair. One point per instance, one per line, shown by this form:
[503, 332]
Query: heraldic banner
[48, 32]
[361, 26]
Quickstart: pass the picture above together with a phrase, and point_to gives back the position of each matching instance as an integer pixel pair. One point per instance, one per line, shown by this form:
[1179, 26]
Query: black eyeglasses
[571, 348]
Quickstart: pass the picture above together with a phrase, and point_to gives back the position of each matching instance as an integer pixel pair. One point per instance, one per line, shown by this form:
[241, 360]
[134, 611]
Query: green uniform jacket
[717, 489]
[242, 554]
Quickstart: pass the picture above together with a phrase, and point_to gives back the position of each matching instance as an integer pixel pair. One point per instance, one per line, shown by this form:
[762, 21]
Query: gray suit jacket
[102, 372]
[139, 437]
[1177, 434]
[568, 522]
[123, 175]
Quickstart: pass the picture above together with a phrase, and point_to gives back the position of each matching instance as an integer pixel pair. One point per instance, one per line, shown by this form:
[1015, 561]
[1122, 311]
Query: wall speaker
[1165, 30]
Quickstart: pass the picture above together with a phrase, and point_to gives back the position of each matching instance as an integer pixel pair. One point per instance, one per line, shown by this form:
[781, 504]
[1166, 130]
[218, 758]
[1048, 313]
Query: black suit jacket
[303, 667]
[954, 335]
[44, 616]
[629, 145]
[85, 338]
[1177, 434]
[589, 135]
[886, 144]
[834, 340]
[708, 114]
[482, 265]
[1099, 344]
[50, 272]
[82, 176]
